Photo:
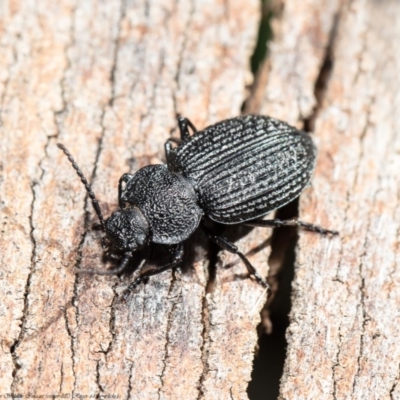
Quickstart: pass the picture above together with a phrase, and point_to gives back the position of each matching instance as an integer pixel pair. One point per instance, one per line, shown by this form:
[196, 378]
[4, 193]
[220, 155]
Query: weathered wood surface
[343, 337]
[106, 79]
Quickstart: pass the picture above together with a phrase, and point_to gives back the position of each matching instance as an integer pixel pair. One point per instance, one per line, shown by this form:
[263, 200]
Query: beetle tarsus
[184, 125]
[115, 271]
[170, 155]
[144, 277]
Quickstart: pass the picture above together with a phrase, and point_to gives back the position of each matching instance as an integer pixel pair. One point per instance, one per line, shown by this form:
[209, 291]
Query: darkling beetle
[233, 172]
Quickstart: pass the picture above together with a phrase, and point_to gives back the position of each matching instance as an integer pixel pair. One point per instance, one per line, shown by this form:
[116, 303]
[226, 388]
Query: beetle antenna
[75, 166]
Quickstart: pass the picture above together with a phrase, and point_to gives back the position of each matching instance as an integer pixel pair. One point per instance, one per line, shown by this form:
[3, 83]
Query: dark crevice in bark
[71, 336]
[263, 37]
[62, 377]
[393, 388]
[213, 259]
[181, 55]
[17, 342]
[269, 359]
[112, 320]
[324, 75]
[259, 63]
[270, 355]
[130, 386]
[101, 389]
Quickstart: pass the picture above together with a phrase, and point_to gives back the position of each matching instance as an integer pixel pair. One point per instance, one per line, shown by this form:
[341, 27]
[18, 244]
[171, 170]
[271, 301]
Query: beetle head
[127, 229]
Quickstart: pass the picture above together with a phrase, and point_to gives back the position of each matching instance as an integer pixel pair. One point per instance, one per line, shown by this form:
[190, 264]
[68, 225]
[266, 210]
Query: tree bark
[343, 339]
[106, 79]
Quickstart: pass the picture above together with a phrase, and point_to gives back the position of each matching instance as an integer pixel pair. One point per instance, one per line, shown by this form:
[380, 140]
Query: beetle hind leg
[226, 245]
[170, 155]
[277, 223]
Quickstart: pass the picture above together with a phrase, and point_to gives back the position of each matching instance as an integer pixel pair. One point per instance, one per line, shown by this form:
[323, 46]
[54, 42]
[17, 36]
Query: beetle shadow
[197, 247]
[236, 232]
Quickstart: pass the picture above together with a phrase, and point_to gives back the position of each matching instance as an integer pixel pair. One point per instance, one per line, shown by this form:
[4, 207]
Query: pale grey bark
[106, 79]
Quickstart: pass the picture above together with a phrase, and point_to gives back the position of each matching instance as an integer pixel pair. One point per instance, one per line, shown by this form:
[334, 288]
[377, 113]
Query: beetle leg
[125, 178]
[184, 125]
[192, 127]
[115, 271]
[277, 223]
[170, 154]
[177, 258]
[226, 245]
[114, 256]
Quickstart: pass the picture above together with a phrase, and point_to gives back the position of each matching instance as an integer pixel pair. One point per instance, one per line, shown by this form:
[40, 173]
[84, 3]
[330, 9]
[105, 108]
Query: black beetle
[232, 172]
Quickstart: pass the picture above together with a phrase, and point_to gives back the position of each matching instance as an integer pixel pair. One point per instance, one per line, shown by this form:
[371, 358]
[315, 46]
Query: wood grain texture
[353, 302]
[286, 82]
[106, 79]
[343, 336]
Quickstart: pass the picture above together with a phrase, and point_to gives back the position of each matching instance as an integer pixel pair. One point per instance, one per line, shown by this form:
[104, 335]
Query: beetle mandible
[233, 172]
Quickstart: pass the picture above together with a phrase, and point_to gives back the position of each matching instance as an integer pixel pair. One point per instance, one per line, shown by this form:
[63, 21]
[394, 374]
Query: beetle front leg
[277, 223]
[125, 178]
[177, 258]
[184, 125]
[170, 155]
[226, 245]
[115, 271]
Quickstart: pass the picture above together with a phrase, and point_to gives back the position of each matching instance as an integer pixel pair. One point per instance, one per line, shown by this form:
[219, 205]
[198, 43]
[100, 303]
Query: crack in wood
[365, 318]
[110, 103]
[323, 77]
[181, 53]
[394, 386]
[17, 342]
[164, 358]
[115, 56]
